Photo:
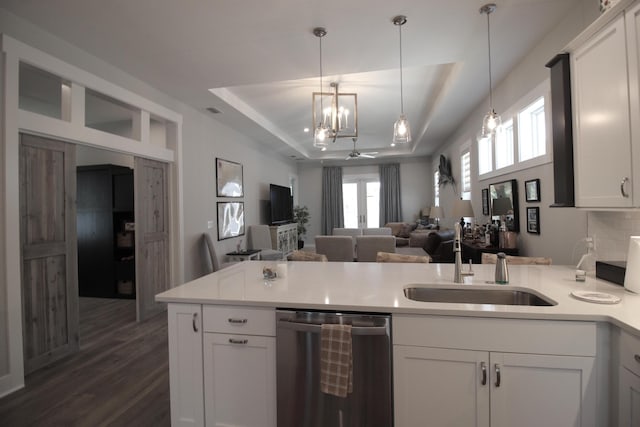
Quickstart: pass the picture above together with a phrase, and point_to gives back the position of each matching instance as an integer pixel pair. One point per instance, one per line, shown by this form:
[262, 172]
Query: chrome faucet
[457, 251]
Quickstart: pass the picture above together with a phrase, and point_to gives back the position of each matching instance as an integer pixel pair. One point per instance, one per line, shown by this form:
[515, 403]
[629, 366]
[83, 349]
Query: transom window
[522, 141]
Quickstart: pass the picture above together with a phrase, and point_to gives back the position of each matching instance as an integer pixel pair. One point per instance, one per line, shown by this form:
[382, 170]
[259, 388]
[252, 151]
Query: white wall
[86, 156]
[611, 231]
[416, 179]
[561, 228]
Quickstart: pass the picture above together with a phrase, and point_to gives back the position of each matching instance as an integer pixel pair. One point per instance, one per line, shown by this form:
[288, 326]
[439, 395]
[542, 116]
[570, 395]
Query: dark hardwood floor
[120, 376]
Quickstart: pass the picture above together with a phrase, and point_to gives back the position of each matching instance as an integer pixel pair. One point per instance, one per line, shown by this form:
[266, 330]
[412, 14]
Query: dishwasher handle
[309, 327]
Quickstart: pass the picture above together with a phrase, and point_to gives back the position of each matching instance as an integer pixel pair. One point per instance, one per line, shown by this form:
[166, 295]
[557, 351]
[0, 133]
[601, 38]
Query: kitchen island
[567, 355]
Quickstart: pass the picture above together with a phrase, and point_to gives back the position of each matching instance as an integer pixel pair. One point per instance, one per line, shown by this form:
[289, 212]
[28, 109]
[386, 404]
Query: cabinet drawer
[570, 338]
[239, 320]
[630, 352]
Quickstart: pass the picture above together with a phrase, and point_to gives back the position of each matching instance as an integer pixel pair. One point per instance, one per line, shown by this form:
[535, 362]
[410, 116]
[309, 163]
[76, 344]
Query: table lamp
[436, 213]
[463, 209]
[502, 207]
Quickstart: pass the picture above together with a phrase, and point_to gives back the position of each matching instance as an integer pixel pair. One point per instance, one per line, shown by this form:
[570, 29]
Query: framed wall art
[532, 190]
[230, 220]
[485, 201]
[228, 178]
[504, 203]
[533, 220]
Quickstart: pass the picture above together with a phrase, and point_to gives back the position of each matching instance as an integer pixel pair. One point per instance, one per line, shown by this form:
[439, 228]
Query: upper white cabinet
[603, 138]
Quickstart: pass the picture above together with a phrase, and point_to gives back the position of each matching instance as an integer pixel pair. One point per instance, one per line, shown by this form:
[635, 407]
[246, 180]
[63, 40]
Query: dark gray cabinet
[105, 218]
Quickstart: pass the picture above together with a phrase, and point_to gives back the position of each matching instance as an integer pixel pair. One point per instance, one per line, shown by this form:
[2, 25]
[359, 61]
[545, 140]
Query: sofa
[439, 246]
[403, 231]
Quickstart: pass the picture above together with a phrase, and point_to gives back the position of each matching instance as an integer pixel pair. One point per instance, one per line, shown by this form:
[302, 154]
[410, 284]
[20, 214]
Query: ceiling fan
[354, 154]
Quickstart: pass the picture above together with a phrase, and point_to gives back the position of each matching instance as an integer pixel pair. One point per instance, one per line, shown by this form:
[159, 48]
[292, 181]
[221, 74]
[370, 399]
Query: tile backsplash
[612, 231]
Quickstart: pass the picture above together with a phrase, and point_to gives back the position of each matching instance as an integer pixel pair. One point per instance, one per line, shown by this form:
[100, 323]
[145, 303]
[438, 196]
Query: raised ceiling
[256, 61]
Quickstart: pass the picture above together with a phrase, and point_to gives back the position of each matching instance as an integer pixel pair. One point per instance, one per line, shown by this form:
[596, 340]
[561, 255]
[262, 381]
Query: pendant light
[321, 131]
[491, 120]
[401, 130]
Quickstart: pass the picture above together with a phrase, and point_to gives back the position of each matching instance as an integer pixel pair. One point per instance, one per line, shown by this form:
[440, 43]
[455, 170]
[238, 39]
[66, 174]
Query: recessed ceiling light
[306, 130]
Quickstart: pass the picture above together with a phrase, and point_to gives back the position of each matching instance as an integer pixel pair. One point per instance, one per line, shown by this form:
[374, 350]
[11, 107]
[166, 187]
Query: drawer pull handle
[195, 318]
[622, 189]
[637, 358]
[497, 375]
[234, 341]
[483, 367]
[237, 321]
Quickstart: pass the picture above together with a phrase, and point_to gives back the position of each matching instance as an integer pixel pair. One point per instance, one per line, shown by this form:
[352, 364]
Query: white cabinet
[444, 386]
[239, 366]
[185, 364]
[606, 101]
[629, 382]
[494, 372]
[284, 238]
[602, 127]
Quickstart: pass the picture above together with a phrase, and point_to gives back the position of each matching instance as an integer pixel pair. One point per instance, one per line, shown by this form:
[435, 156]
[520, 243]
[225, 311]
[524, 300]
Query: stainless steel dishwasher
[300, 401]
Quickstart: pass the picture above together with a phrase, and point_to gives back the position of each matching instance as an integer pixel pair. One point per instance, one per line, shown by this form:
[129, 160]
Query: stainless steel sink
[476, 296]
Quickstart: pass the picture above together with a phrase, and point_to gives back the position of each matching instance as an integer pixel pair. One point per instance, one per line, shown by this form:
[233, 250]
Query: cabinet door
[239, 380]
[629, 399]
[632, 21]
[539, 390]
[185, 364]
[442, 386]
[602, 123]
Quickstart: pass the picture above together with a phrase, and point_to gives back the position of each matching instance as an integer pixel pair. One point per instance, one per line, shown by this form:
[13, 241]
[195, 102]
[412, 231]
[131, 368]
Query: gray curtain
[332, 211]
[390, 201]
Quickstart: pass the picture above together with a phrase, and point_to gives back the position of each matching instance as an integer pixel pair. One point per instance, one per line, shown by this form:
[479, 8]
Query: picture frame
[504, 195]
[230, 220]
[533, 220]
[485, 201]
[532, 190]
[229, 178]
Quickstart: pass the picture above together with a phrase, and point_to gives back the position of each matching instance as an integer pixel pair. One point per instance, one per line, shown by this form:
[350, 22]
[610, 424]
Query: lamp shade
[502, 206]
[463, 209]
[436, 212]
[425, 211]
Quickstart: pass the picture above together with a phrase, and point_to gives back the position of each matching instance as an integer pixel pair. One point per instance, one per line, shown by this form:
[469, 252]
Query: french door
[361, 202]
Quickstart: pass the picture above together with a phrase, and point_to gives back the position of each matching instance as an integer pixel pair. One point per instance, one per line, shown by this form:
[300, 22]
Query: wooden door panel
[152, 234]
[45, 296]
[48, 249]
[43, 195]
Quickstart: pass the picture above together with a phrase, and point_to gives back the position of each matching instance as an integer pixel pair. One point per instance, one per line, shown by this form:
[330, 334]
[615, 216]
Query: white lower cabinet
[629, 382]
[222, 366]
[239, 380]
[478, 387]
[185, 364]
[629, 399]
[239, 348]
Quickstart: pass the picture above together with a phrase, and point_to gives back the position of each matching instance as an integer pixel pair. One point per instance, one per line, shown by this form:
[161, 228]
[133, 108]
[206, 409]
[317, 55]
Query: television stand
[284, 237]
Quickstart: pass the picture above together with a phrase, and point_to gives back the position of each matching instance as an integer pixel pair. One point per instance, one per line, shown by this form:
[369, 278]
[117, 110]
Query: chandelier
[334, 114]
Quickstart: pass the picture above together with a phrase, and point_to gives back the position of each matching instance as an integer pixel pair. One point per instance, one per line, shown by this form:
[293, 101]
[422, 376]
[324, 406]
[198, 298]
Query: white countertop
[378, 287]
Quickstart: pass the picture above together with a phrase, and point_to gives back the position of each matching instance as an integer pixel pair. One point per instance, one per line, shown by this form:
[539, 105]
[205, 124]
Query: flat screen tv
[281, 204]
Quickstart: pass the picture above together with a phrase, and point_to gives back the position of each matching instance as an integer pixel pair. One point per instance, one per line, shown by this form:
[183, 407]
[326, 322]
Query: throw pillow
[406, 230]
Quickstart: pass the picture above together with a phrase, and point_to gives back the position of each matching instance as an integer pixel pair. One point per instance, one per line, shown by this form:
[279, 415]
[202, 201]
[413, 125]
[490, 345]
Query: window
[436, 188]
[465, 173]
[532, 131]
[522, 139]
[504, 145]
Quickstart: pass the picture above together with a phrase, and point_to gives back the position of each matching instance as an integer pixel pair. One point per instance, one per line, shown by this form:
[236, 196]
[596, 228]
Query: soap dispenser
[502, 272]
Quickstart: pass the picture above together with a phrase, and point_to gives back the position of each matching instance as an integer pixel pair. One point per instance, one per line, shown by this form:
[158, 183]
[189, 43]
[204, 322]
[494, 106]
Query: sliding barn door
[152, 235]
[48, 249]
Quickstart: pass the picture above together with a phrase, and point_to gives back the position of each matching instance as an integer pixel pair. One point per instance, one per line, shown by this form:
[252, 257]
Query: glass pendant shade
[490, 123]
[321, 137]
[401, 131]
